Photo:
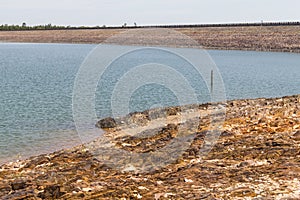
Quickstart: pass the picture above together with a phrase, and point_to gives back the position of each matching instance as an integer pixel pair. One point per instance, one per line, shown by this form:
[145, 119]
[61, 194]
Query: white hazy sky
[117, 12]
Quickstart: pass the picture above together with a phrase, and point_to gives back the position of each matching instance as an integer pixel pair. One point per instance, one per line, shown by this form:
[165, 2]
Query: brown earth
[270, 38]
[257, 156]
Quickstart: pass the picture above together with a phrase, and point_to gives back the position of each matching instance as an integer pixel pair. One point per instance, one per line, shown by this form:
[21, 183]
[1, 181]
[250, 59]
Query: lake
[36, 87]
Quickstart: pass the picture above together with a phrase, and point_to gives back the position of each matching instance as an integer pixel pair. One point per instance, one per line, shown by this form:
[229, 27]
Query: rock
[37, 162]
[86, 189]
[243, 192]
[18, 185]
[142, 188]
[51, 192]
[4, 187]
[158, 195]
[138, 119]
[173, 111]
[157, 113]
[188, 180]
[243, 164]
[107, 123]
[296, 136]
[226, 134]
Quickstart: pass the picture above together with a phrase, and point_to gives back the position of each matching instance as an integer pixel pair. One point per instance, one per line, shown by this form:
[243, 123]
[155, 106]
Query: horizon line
[50, 26]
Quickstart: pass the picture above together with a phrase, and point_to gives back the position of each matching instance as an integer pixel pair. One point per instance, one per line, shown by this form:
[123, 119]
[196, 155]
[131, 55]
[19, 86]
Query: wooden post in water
[212, 82]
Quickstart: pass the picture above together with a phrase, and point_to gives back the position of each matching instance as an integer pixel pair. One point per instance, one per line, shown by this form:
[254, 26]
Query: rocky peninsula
[257, 156]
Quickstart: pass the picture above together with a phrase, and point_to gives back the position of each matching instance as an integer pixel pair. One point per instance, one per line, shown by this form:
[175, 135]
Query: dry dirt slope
[270, 38]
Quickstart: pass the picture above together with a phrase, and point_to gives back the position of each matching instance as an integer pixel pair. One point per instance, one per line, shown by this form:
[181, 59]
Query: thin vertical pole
[212, 82]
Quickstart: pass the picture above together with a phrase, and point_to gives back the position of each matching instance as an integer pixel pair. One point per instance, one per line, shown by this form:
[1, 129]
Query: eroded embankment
[257, 38]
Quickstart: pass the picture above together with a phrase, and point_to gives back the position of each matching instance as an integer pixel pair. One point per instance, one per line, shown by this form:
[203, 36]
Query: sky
[145, 12]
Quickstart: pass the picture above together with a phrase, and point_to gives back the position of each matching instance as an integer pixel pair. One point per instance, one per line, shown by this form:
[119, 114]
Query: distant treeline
[23, 27]
[7, 27]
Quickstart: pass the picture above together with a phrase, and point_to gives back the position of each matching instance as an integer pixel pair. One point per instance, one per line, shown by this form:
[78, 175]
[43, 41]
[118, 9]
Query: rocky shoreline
[257, 156]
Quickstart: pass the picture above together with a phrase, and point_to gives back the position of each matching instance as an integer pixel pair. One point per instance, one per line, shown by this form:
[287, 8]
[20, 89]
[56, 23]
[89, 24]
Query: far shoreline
[250, 38]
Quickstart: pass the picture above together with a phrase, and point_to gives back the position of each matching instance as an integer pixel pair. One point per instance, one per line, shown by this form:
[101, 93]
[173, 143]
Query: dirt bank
[269, 38]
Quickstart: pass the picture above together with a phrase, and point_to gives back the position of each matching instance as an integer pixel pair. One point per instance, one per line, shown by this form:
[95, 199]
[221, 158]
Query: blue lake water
[36, 87]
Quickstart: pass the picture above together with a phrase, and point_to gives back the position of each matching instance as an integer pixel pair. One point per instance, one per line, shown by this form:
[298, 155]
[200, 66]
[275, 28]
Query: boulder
[107, 123]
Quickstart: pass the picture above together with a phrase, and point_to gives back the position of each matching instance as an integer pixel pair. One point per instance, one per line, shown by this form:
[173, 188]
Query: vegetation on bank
[24, 26]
